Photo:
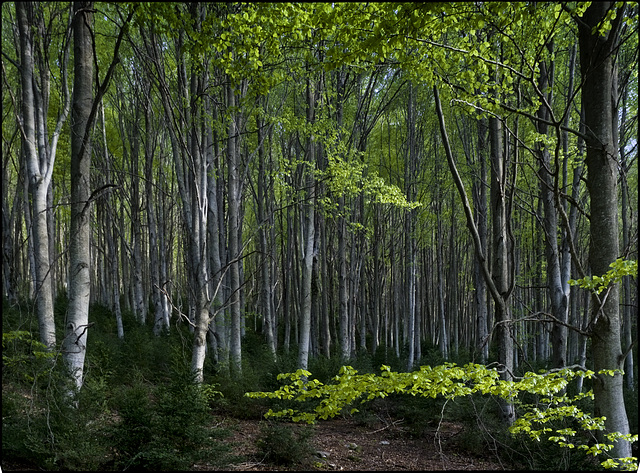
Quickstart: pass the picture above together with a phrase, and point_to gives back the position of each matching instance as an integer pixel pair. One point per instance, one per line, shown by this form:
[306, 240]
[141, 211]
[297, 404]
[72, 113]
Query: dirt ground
[346, 445]
[342, 444]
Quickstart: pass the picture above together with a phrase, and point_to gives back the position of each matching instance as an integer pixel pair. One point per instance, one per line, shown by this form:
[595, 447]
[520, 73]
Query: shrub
[281, 444]
[166, 427]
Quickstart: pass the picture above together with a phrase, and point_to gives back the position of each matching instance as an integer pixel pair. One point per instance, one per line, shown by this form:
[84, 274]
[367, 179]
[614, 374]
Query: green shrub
[166, 427]
[40, 427]
[284, 444]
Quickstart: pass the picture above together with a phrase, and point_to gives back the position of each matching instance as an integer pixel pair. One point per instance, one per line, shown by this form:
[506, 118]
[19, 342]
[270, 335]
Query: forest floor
[346, 444]
[343, 444]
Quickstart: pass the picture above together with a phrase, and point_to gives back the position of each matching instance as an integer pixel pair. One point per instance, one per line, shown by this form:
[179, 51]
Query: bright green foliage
[619, 269]
[352, 177]
[451, 381]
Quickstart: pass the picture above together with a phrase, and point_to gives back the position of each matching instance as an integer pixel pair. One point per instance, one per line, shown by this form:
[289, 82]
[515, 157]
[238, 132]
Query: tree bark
[501, 264]
[597, 53]
[481, 216]
[265, 226]
[234, 236]
[40, 156]
[410, 172]
[83, 114]
[558, 289]
[308, 232]
[77, 324]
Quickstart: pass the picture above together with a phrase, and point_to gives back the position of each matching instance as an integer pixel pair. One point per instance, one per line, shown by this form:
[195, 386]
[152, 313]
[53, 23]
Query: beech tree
[39, 148]
[83, 114]
[599, 35]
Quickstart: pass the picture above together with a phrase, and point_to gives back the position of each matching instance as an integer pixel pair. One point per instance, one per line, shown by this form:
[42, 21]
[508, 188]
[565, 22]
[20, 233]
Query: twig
[399, 421]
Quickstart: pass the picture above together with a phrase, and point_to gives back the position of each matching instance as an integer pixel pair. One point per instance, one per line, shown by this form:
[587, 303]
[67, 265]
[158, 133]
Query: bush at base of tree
[143, 411]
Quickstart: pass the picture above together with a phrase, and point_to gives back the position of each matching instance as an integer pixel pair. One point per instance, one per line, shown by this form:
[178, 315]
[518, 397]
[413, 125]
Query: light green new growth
[451, 381]
[619, 269]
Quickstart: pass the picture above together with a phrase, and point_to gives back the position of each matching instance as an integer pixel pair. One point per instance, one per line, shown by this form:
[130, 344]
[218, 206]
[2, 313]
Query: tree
[39, 152]
[557, 279]
[307, 245]
[83, 114]
[599, 30]
[496, 272]
[77, 323]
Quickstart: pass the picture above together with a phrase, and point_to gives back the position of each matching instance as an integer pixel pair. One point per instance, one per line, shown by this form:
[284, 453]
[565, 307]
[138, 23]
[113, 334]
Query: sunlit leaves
[619, 269]
[450, 381]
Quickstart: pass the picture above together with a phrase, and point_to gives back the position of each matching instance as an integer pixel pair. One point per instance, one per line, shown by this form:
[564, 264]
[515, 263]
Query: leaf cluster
[619, 269]
[451, 381]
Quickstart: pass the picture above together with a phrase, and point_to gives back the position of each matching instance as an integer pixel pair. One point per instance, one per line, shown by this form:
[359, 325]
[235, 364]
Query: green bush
[41, 427]
[166, 427]
[138, 405]
[286, 445]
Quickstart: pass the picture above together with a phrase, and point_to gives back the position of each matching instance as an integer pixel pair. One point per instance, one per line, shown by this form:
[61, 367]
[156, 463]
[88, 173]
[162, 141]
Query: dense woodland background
[257, 188]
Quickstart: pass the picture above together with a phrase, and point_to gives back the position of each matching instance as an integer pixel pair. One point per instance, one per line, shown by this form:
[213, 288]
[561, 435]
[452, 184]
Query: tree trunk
[233, 236]
[113, 285]
[265, 224]
[480, 213]
[40, 158]
[308, 233]
[156, 255]
[597, 55]
[500, 267]
[410, 173]
[77, 323]
[548, 186]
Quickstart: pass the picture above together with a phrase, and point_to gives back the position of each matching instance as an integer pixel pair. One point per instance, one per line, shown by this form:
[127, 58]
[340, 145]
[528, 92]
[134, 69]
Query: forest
[423, 209]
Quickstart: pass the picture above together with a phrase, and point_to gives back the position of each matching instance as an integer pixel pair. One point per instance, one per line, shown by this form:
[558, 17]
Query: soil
[343, 444]
[347, 445]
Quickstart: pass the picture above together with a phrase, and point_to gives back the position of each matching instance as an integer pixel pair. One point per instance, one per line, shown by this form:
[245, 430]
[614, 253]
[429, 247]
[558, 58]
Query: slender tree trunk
[156, 255]
[233, 238]
[139, 304]
[410, 173]
[308, 233]
[219, 326]
[569, 222]
[77, 324]
[10, 222]
[265, 223]
[480, 212]
[548, 187]
[442, 319]
[627, 337]
[39, 170]
[113, 285]
[500, 267]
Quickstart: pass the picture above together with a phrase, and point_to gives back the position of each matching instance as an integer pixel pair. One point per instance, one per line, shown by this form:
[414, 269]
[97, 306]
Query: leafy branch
[450, 381]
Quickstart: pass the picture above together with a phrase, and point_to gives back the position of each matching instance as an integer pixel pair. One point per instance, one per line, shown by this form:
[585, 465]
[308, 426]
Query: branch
[102, 88]
[465, 201]
[622, 357]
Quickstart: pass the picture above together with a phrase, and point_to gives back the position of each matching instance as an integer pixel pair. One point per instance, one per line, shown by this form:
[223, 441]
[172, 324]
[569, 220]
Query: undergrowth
[139, 407]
